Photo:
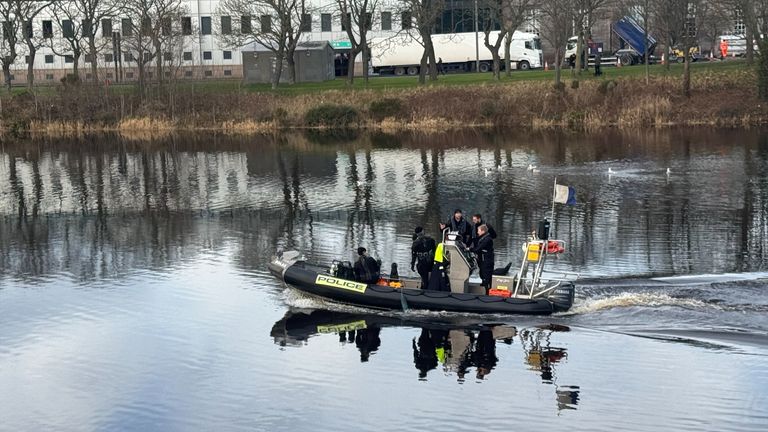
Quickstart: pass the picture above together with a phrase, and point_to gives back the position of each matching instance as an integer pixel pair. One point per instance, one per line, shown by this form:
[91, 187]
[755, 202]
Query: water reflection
[460, 347]
[708, 216]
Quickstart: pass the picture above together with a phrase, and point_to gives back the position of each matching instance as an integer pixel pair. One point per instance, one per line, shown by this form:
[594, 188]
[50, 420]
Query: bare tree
[71, 44]
[584, 14]
[357, 19]
[489, 22]
[26, 12]
[151, 25]
[9, 39]
[280, 29]
[513, 14]
[419, 18]
[557, 27]
[755, 13]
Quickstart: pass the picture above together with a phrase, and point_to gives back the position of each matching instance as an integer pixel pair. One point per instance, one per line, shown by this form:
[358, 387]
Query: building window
[128, 57]
[147, 57]
[129, 75]
[325, 22]
[739, 27]
[108, 58]
[67, 29]
[226, 25]
[49, 58]
[266, 23]
[166, 26]
[186, 26]
[209, 73]
[207, 55]
[187, 56]
[188, 74]
[405, 20]
[245, 24]
[28, 31]
[127, 27]
[167, 74]
[306, 23]
[27, 59]
[49, 77]
[386, 20]
[106, 28]
[146, 26]
[227, 55]
[69, 59]
[205, 25]
[13, 77]
[167, 56]
[47, 29]
[86, 28]
[89, 58]
[88, 77]
[227, 72]
[345, 21]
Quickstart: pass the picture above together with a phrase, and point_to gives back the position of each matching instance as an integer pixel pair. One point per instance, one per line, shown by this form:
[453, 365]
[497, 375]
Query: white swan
[669, 172]
[531, 167]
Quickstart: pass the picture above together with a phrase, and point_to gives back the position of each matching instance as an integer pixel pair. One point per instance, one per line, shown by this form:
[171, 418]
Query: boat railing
[539, 283]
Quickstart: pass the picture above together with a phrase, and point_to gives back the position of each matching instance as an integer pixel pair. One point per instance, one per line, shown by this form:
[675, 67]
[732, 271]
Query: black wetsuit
[475, 235]
[422, 256]
[483, 249]
[367, 270]
[463, 227]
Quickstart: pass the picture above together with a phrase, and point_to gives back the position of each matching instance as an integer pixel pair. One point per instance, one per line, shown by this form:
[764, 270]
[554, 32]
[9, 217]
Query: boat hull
[315, 280]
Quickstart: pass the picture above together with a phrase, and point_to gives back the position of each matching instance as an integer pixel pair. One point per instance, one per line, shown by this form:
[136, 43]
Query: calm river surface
[134, 293]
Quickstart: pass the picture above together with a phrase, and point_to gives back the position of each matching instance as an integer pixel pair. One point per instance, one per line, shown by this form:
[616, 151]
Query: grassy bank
[723, 94]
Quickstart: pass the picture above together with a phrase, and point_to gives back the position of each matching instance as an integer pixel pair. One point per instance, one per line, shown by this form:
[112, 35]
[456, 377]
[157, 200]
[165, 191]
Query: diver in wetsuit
[459, 224]
[366, 268]
[483, 249]
[422, 255]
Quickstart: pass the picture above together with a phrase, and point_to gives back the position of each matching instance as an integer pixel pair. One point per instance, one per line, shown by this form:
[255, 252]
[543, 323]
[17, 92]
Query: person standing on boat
[366, 268]
[483, 249]
[459, 224]
[422, 255]
[438, 280]
[477, 222]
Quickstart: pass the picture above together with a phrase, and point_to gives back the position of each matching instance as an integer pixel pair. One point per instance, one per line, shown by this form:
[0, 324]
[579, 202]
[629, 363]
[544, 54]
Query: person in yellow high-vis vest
[438, 280]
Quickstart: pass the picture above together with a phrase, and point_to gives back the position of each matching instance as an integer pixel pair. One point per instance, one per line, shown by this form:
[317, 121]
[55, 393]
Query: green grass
[391, 82]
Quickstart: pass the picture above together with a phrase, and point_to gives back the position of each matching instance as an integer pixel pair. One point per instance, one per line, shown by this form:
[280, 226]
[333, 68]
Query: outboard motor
[562, 297]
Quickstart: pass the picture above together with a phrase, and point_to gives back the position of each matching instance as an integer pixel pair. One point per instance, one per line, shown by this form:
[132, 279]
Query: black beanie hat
[361, 250]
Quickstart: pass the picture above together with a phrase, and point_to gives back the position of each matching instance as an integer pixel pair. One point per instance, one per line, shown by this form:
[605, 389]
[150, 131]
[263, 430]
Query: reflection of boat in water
[530, 291]
[459, 345]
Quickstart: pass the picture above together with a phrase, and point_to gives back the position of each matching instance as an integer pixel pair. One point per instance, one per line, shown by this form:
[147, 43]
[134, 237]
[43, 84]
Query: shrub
[606, 87]
[338, 116]
[387, 107]
[575, 84]
[489, 109]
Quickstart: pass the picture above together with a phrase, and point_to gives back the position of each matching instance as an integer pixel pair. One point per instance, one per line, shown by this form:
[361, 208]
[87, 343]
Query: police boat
[530, 291]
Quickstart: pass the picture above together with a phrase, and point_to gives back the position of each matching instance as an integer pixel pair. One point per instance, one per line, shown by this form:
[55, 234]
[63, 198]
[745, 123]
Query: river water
[134, 293]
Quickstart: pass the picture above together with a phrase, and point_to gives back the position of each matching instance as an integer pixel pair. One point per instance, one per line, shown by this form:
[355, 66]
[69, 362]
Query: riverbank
[720, 96]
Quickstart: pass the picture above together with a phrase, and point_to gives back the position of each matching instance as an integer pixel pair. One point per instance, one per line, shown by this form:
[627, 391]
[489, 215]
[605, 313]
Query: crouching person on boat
[438, 279]
[422, 255]
[483, 249]
[366, 268]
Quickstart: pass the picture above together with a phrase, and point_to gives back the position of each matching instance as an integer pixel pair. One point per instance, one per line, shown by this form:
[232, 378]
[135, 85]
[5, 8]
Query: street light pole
[477, 43]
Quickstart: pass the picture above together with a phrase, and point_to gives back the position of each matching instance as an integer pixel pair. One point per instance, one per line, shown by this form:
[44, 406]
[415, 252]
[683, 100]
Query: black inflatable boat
[518, 295]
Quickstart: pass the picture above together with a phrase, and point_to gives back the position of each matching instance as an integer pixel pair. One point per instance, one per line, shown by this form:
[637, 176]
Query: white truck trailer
[401, 54]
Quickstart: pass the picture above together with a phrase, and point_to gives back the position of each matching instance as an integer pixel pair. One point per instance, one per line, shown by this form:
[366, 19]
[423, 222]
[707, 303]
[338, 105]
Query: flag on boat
[565, 195]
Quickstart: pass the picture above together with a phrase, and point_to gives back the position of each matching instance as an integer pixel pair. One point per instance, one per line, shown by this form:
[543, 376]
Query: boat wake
[630, 299]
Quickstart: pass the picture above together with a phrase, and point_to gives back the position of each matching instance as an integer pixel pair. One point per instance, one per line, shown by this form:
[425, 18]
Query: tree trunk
[31, 65]
[366, 57]
[278, 68]
[423, 67]
[94, 60]
[507, 54]
[432, 61]
[558, 55]
[350, 66]
[291, 61]
[762, 70]
[579, 53]
[76, 66]
[142, 83]
[687, 75]
[496, 64]
[7, 75]
[159, 62]
[668, 52]
[750, 53]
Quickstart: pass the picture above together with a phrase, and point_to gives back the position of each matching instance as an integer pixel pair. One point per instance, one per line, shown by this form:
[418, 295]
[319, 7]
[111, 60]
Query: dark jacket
[423, 251]
[475, 235]
[484, 251]
[367, 270]
[463, 227]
